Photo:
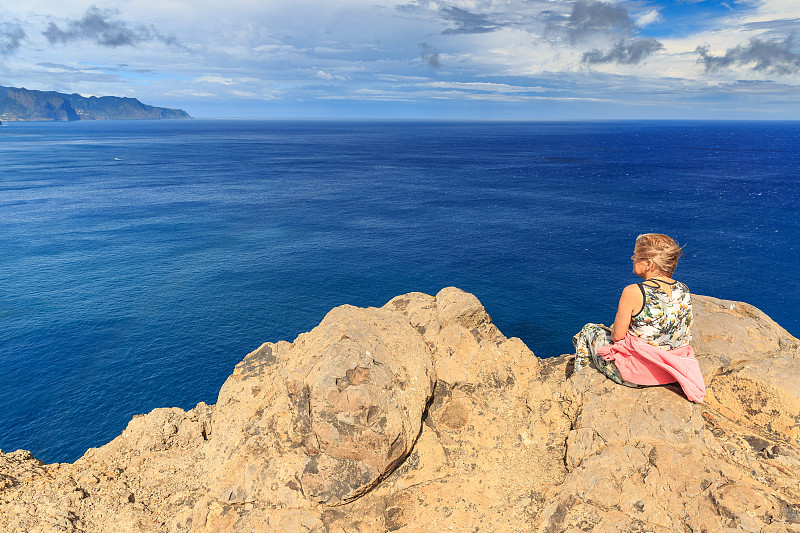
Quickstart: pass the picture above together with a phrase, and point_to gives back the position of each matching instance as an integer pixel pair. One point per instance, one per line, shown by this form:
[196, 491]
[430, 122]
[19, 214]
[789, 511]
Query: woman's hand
[630, 303]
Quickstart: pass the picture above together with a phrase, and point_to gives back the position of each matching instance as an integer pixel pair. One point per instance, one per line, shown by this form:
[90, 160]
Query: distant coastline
[20, 104]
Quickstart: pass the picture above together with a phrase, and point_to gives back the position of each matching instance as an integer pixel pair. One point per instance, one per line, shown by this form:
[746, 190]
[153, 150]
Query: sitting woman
[648, 343]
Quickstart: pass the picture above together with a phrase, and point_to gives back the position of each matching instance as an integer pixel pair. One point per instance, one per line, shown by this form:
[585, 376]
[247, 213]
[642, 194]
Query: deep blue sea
[140, 261]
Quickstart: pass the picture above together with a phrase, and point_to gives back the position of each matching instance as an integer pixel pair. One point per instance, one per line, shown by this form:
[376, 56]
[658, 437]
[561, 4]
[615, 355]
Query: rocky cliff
[421, 416]
[24, 104]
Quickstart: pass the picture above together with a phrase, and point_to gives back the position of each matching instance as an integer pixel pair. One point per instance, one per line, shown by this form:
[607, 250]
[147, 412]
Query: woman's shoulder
[633, 288]
[633, 293]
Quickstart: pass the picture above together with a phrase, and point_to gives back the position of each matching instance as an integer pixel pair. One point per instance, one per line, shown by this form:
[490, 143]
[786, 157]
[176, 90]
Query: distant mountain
[24, 104]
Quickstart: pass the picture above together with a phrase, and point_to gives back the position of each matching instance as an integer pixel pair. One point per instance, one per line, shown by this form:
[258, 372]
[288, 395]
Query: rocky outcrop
[421, 416]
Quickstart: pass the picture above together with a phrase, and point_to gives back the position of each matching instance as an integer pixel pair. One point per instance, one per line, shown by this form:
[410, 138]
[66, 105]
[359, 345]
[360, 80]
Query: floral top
[663, 321]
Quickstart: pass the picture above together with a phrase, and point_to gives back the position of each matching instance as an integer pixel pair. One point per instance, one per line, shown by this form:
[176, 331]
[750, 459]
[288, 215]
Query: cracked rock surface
[421, 416]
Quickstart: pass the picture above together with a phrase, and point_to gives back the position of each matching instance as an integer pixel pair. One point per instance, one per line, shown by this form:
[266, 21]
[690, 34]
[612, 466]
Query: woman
[648, 344]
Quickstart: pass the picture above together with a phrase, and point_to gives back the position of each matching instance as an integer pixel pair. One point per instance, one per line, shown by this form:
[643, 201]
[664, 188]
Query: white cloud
[482, 86]
[246, 94]
[647, 18]
[192, 93]
[774, 10]
[214, 78]
[321, 74]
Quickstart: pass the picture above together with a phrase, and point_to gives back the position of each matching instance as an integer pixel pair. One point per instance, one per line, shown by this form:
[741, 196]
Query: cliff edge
[421, 416]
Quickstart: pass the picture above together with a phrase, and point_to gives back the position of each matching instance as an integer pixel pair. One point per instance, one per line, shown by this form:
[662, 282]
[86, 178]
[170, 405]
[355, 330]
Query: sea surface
[140, 261]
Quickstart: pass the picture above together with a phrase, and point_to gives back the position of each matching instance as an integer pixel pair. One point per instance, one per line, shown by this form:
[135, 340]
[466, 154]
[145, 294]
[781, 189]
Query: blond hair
[662, 250]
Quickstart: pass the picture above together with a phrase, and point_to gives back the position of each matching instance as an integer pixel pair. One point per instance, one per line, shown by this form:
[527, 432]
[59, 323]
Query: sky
[453, 59]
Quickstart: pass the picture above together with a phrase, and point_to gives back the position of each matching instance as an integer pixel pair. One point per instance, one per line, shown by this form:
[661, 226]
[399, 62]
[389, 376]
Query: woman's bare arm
[629, 303]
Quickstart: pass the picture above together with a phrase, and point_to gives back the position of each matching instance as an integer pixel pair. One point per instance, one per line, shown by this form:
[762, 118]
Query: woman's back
[666, 316]
[648, 344]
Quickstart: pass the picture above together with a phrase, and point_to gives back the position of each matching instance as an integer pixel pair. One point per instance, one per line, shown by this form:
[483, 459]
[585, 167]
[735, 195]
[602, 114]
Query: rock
[751, 362]
[421, 416]
[324, 419]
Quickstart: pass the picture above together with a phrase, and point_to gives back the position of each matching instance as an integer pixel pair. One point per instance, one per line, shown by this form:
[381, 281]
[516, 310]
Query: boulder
[321, 420]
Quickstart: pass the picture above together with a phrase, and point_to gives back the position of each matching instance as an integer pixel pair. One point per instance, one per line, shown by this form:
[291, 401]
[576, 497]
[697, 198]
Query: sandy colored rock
[323, 419]
[753, 364]
[422, 416]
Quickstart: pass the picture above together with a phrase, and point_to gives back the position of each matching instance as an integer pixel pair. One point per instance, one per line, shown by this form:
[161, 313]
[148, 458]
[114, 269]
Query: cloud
[592, 17]
[467, 22]
[67, 68]
[214, 78]
[429, 55]
[97, 25]
[648, 18]
[764, 55]
[327, 76]
[623, 53]
[245, 94]
[590, 20]
[482, 87]
[191, 93]
[786, 25]
[11, 37]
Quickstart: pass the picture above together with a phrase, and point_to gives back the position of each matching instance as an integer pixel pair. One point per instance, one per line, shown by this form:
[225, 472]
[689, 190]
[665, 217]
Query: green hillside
[23, 104]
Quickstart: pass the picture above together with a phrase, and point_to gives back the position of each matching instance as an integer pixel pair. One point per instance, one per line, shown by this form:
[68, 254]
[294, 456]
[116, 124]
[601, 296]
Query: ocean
[141, 260]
